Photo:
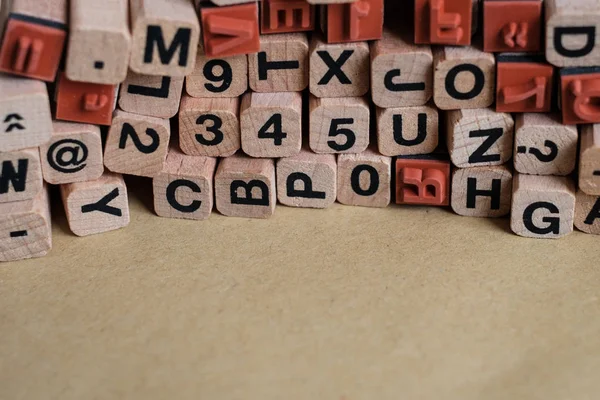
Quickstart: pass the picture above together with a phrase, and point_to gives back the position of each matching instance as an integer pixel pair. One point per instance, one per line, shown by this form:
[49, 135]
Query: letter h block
[89, 103]
[284, 16]
[422, 180]
[512, 25]
[356, 21]
[443, 22]
[580, 95]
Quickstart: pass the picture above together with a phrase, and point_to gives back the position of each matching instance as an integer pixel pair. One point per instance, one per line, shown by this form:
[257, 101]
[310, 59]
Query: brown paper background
[347, 303]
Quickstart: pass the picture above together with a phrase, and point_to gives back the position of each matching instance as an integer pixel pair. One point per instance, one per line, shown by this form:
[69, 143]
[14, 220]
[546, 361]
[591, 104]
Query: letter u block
[443, 22]
[422, 180]
[580, 95]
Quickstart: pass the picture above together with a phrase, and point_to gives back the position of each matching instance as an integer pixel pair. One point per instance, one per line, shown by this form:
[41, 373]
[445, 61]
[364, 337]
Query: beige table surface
[348, 303]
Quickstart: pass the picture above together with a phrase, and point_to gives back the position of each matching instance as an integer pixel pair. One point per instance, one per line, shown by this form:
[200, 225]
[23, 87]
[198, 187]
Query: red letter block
[354, 22]
[443, 22]
[524, 84]
[512, 25]
[84, 102]
[580, 95]
[422, 180]
[229, 31]
[283, 16]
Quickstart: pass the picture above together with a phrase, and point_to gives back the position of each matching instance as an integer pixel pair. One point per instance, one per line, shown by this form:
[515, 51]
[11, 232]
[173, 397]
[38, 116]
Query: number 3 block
[271, 124]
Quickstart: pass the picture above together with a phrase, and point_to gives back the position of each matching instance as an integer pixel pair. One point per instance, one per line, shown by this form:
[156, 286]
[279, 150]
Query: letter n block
[443, 22]
[482, 191]
[580, 95]
[184, 188]
[230, 30]
[422, 180]
[89, 103]
[20, 175]
[364, 179]
[136, 144]
[245, 187]
[307, 180]
[542, 206]
[587, 213]
[512, 25]
[589, 160]
[352, 22]
[96, 206]
[283, 16]
[524, 84]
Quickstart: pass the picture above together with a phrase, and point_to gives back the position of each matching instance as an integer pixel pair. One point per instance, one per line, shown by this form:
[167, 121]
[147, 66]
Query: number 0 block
[364, 179]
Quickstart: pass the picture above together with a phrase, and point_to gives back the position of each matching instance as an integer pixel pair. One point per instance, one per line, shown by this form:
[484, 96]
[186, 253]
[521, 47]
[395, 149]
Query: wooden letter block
[25, 228]
[422, 180]
[524, 84]
[544, 146]
[151, 95]
[281, 65]
[479, 137]
[587, 213]
[512, 25]
[443, 22]
[218, 77]
[89, 103]
[464, 78]
[136, 144]
[165, 37]
[96, 206]
[209, 127]
[364, 179]
[339, 125]
[73, 154]
[571, 32]
[401, 72]
[589, 160]
[20, 175]
[542, 206]
[407, 130]
[25, 119]
[482, 191]
[283, 16]
[307, 180]
[34, 38]
[184, 188]
[339, 70]
[229, 31]
[245, 187]
[99, 41]
[580, 95]
[352, 22]
[271, 124]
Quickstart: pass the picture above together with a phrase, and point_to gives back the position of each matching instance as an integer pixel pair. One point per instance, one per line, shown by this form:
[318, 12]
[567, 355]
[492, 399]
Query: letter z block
[512, 25]
[354, 21]
[443, 22]
[284, 16]
[580, 95]
[89, 103]
[422, 180]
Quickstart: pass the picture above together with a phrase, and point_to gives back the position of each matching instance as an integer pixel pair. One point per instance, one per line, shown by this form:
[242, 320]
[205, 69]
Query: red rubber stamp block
[84, 102]
[512, 25]
[32, 47]
[443, 22]
[524, 84]
[229, 31]
[283, 16]
[580, 95]
[422, 180]
[353, 22]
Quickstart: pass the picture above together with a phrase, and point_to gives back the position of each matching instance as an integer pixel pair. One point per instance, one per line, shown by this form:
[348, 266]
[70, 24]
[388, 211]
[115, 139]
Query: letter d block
[422, 180]
[580, 95]
[307, 180]
[89, 103]
[245, 187]
[184, 188]
[364, 179]
[20, 175]
[136, 144]
[96, 206]
[587, 213]
[542, 206]
[482, 191]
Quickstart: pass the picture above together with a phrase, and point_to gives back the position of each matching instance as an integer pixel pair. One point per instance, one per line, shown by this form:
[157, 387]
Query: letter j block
[422, 180]
[443, 22]
[232, 30]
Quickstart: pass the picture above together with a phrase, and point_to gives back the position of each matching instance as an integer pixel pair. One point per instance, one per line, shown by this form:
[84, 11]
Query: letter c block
[422, 180]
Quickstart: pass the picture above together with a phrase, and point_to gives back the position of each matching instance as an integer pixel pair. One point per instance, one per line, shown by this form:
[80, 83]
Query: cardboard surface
[346, 303]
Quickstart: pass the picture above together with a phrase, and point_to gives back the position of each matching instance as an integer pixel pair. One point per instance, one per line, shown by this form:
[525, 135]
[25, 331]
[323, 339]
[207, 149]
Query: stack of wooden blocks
[238, 104]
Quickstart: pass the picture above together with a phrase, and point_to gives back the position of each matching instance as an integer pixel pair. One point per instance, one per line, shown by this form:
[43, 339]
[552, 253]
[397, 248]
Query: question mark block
[543, 145]
[523, 83]
[73, 154]
[88, 103]
[580, 94]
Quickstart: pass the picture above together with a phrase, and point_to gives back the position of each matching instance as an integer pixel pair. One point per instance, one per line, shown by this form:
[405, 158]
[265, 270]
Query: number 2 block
[271, 124]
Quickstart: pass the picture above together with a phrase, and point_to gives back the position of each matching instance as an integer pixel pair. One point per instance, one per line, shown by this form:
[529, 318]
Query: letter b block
[422, 180]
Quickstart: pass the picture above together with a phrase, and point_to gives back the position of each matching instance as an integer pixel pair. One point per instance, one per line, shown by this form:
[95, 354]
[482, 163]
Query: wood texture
[73, 154]
[542, 206]
[218, 77]
[482, 191]
[154, 96]
[20, 175]
[363, 179]
[52, 10]
[589, 160]
[587, 213]
[245, 187]
[307, 180]
[184, 188]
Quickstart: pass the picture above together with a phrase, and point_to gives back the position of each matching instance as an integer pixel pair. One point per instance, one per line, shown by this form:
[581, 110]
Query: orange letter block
[84, 102]
[443, 22]
[354, 22]
[229, 31]
[512, 25]
[422, 180]
[283, 16]
[580, 95]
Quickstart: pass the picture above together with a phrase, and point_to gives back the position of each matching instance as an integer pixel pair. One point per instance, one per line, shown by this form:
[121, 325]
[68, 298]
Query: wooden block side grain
[154, 96]
[51, 10]
[218, 77]
[20, 175]
[25, 228]
[482, 191]
[587, 213]
[589, 160]
[364, 179]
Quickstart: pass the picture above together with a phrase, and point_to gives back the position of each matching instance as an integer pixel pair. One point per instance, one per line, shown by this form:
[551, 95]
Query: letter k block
[422, 180]
[230, 31]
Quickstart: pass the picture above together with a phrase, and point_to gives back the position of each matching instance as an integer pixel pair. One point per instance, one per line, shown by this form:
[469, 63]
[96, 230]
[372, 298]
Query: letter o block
[542, 206]
[482, 191]
[364, 179]
[587, 213]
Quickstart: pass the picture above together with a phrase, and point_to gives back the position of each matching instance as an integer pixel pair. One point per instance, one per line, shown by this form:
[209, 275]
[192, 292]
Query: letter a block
[542, 206]
[580, 95]
[184, 188]
[20, 175]
[25, 228]
[512, 25]
[589, 160]
[245, 187]
[364, 179]
[136, 144]
[482, 191]
[89, 103]
[96, 206]
[443, 22]
[422, 180]
[283, 16]
[587, 213]
[352, 22]
[307, 180]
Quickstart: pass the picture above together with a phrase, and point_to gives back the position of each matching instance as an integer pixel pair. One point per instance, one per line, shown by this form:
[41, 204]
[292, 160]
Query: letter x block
[422, 180]
[587, 213]
[89, 103]
[580, 95]
[512, 25]
[283, 16]
[245, 187]
[352, 22]
[443, 22]
[96, 206]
